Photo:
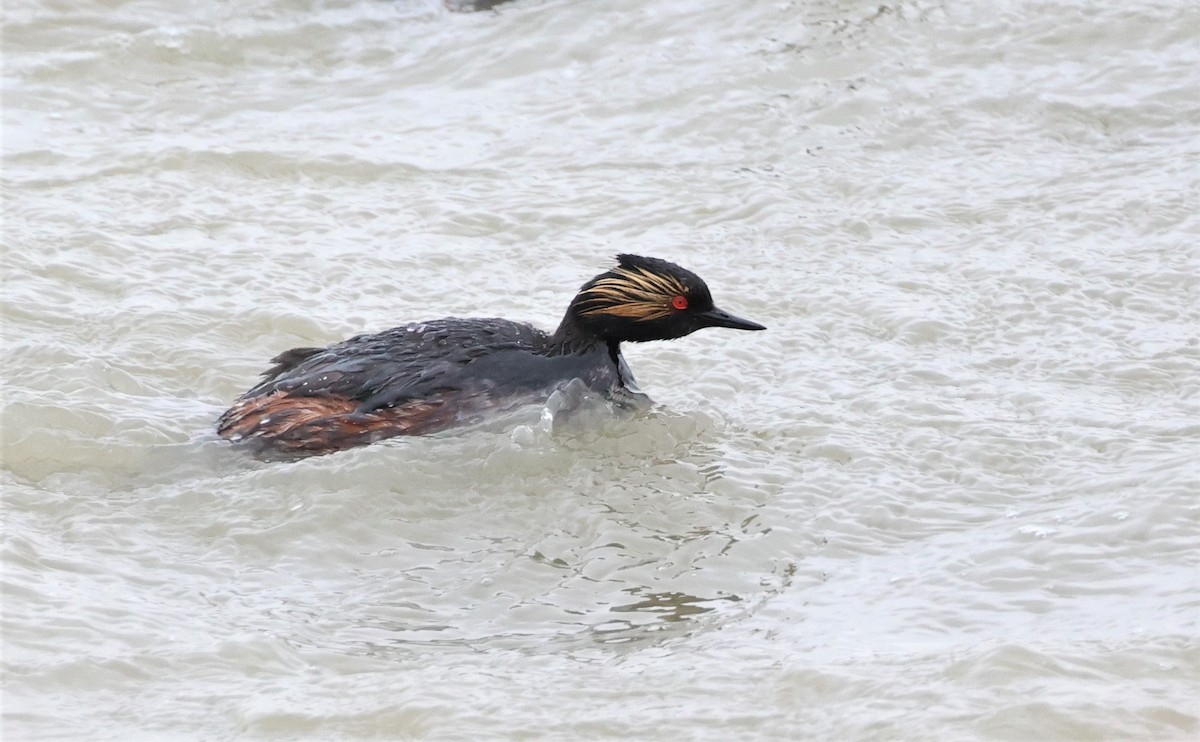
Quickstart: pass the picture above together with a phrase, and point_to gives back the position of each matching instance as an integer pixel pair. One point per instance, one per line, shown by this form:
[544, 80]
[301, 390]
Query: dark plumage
[428, 376]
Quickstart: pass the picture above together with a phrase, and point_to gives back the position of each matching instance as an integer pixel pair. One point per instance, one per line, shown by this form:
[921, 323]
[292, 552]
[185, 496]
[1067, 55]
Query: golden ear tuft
[633, 292]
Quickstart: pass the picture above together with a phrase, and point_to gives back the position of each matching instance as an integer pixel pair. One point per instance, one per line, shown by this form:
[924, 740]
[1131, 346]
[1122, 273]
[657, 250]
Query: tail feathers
[289, 359]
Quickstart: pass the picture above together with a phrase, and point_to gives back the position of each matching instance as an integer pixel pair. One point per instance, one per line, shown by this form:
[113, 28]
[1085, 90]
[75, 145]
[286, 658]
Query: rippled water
[951, 493]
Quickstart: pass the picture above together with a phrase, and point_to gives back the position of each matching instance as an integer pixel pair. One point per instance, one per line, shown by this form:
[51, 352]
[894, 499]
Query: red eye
[679, 302]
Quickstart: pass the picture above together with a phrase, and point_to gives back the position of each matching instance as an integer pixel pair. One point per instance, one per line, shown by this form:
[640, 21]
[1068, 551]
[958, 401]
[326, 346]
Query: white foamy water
[951, 493]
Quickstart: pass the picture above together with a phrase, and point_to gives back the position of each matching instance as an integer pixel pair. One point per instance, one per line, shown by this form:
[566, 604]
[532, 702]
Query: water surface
[951, 493]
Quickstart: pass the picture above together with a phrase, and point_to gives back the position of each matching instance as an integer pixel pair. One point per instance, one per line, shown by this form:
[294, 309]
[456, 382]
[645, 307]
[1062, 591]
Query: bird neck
[572, 337]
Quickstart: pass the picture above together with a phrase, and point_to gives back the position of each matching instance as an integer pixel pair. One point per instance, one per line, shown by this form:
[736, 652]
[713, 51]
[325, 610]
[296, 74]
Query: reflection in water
[469, 6]
[670, 606]
[546, 583]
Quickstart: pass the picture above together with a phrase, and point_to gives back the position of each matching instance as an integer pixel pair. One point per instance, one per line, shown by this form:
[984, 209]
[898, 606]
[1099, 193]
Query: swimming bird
[429, 376]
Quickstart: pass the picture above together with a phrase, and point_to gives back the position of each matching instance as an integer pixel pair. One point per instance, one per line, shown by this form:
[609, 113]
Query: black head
[649, 299]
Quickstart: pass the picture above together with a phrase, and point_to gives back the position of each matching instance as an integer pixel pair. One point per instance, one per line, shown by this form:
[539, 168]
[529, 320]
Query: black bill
[720, 318]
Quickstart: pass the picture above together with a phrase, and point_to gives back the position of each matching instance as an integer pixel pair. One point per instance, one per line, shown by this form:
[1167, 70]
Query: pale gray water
[952, 493]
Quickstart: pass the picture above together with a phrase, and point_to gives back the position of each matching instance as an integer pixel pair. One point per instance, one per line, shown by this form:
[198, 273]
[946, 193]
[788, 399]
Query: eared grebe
[429, 376]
